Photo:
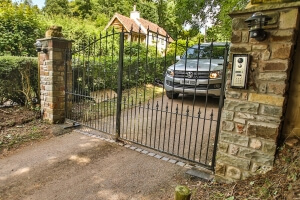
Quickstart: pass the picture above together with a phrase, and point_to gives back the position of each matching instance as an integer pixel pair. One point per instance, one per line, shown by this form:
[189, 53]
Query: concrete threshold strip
[194, 171]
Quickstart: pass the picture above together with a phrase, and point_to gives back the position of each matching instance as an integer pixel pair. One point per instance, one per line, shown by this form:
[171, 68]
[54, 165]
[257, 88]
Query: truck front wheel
[172, 95]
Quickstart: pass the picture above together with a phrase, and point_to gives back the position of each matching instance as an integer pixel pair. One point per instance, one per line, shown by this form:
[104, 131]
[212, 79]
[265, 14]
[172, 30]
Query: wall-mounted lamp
[39, 47]
[256, 23]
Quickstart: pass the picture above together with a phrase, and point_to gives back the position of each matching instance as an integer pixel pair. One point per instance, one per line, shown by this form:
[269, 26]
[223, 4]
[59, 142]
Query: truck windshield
[205, 53]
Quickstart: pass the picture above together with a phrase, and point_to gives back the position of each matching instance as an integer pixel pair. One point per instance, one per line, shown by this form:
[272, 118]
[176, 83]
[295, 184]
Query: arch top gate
[132, 86]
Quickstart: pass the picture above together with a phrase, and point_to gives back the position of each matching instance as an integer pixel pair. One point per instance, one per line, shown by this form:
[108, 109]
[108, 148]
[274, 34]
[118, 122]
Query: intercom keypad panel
[239, 70]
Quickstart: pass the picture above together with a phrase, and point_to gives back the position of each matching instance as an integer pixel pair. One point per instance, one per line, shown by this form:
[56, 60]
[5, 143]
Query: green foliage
[81, 8]
[190, 11]
[18, 79]
[28, 2]
[179, 47]
[57, 7]
[110, 7]
[19, 28]
[216, 33]
[167, 17]
[148, 10]
[73, 28]
[198, 12]
[141, 65]
[222, 19]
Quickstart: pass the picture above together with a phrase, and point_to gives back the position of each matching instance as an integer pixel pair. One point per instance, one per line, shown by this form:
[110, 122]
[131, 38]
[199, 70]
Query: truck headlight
[216, 74]
[170, 72]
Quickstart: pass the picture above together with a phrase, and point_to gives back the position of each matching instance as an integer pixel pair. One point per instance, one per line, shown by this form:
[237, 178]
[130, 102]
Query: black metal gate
[122, 85]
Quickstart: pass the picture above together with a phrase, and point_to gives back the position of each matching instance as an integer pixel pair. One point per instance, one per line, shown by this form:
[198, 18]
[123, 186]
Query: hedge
[18, 79]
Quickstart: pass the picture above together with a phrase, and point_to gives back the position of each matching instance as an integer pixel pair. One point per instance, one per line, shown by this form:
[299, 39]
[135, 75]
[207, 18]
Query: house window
[153, 37]
[162, 41]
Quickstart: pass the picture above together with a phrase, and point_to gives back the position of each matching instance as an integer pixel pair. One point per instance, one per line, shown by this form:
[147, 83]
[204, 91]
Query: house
[139, 27]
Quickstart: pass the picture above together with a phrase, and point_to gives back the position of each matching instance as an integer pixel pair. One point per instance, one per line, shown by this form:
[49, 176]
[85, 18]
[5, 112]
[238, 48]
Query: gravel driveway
[76, 166]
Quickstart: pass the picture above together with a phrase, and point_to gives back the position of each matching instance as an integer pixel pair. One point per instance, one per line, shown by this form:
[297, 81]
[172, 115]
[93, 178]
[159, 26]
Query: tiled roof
[129, 23]
[154, 28]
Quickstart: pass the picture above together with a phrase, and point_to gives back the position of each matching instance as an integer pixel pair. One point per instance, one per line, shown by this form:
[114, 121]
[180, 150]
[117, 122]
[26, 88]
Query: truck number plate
[188, 82]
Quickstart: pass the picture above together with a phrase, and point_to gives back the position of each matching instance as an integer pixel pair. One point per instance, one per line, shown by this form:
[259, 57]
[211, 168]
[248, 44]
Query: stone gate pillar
[52, 65]
[252, 118]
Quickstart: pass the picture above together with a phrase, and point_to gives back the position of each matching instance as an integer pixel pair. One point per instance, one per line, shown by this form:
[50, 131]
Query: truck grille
[197, 87]
[190, 74]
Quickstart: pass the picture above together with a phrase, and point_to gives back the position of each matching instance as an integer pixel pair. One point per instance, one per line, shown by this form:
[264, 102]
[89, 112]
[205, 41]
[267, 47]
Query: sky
[39, 3]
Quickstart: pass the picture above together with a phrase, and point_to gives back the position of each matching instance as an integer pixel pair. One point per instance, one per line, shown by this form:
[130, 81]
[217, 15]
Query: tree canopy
[55, 7]
[83, 18]
[19, 28]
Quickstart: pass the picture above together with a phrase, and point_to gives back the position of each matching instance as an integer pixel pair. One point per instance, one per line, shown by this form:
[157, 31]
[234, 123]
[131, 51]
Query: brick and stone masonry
[52, 66]
[252, 118]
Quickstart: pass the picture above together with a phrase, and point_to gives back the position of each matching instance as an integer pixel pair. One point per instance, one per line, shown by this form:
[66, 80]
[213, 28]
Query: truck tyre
[172, 95]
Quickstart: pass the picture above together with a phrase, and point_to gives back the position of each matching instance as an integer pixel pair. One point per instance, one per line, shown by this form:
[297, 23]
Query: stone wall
[252, 117]
[52, 78]
[292, 118]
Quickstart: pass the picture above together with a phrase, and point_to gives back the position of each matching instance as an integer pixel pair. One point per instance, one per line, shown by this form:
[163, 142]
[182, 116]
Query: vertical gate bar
[138, 128]
[120, 75]
[132, 120]
[186, 123]
[87, 71]
[111, 118]
[129, 86]
[153, 90]
[123, 124]
[94, 63]
[80, 89]
[99, 74]
[105, 74]
[162, 96]
[136, 75]
[93, 81]
[88, 66]
[82, 83]
[66, 83]
[206, 96]
[157, 106]
[185, 64]
[171, 111]
[90, 113]
[164, 140]
[176, 115]
[221, 103]
[98, 114]
[147, 118]
[73, 88]
[136, 83]
[75, 96]
[209, 133]
[98, 84]
[197, 133]
[85, 90]
[145, 71]
[113, 113]
[194, 100]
